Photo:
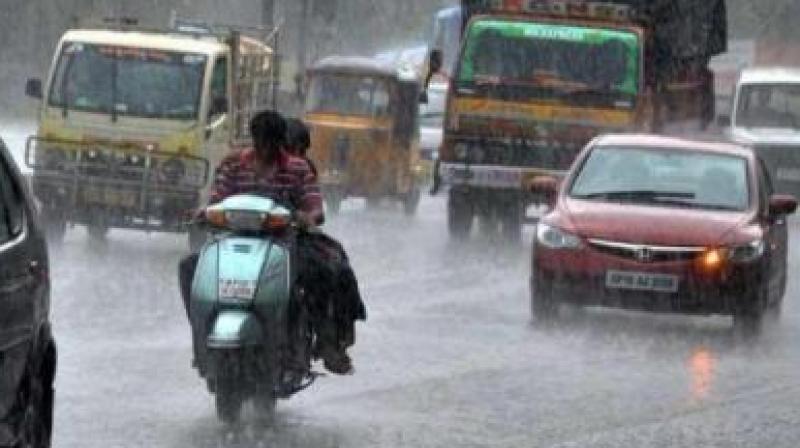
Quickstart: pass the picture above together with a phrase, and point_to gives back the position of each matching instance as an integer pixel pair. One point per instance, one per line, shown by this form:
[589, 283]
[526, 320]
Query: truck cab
[766, 116]
[132, 121]
[535, 81]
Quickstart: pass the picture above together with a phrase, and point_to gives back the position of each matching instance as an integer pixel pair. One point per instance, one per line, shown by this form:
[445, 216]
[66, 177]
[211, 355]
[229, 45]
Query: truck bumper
[491, 176]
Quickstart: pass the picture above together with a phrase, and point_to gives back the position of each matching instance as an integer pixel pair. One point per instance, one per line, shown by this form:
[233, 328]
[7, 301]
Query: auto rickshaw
[363, 118]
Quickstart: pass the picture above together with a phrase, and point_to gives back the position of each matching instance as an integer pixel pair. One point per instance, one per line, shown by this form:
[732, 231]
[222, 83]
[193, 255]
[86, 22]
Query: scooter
[252, 340]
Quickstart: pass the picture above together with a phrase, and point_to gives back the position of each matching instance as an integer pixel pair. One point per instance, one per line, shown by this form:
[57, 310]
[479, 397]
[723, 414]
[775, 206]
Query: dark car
[27, 349]
[661, 224]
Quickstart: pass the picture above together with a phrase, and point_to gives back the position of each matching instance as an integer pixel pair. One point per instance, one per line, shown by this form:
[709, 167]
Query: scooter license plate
[237, 289]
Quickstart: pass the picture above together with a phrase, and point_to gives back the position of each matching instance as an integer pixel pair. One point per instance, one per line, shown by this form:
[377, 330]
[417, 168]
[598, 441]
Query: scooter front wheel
[229, 400]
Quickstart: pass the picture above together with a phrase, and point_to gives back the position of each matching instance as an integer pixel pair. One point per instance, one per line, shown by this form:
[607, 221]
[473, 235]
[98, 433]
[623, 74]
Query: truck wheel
[229, 400]
[54, 225]
[511, 222]
[411, 202]
[97, 232]
[460, 215]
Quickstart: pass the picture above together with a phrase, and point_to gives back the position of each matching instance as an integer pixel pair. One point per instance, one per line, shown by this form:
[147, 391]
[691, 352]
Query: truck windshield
[769, 106]
[128, 81]
[348, 95]
[577, 64]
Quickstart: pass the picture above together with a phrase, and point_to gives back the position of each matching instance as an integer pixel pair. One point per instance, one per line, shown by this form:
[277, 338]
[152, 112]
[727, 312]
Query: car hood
[639, 224]
[766, 136]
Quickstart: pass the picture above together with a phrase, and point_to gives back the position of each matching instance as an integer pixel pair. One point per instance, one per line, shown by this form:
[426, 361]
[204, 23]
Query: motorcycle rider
[268, 170]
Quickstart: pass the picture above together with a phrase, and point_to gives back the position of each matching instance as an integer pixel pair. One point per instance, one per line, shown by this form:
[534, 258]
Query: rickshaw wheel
[411, 202]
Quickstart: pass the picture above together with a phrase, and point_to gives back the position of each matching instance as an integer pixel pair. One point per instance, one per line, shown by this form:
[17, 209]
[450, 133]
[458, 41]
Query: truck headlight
[461, 151]
[554, 238]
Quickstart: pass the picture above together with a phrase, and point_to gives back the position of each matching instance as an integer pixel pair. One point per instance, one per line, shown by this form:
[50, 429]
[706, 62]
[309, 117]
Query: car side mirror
[724, 121]
[546, 187]
[435, 61]
[782, 205]
[33, 88]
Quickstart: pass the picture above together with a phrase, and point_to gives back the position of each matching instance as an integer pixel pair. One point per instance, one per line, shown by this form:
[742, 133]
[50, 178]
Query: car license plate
[237, 289]
[788, 174]
[641, 281]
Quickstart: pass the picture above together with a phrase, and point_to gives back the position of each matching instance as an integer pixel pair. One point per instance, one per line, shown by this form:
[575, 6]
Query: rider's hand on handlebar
[304, 220]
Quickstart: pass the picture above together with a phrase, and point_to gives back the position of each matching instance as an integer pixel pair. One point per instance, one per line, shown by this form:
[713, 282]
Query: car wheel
[38, 398]
[748, 318]
[544, 305]
[460, 215]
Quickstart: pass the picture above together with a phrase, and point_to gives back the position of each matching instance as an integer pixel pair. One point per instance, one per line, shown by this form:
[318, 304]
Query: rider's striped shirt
[292, 183]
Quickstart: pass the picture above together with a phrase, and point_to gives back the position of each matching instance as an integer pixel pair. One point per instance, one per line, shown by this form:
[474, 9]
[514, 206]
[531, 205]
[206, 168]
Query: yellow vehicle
[132, 121]
[365, 132]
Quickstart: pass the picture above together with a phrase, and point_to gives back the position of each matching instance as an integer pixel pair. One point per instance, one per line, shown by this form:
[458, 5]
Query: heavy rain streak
[418, 223]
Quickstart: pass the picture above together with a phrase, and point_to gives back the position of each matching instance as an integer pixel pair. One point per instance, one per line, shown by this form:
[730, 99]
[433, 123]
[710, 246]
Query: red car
[662, 224]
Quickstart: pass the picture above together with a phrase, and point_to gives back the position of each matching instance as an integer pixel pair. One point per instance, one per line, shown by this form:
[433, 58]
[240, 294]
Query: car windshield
[349, 95]
[663, 177]
[769, 106]
[128, 81]
[540, 60]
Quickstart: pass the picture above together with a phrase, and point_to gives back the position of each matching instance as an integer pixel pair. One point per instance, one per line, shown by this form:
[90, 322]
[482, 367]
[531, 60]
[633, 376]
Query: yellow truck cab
[132, 122]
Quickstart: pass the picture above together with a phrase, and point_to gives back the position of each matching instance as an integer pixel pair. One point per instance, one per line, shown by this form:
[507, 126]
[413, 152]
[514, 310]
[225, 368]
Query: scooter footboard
[235, 330]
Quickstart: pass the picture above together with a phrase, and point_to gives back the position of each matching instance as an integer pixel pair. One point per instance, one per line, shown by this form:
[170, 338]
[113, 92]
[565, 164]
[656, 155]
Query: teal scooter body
[241, 307]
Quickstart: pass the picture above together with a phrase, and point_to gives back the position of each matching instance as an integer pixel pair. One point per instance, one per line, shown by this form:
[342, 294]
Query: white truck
[765, 116]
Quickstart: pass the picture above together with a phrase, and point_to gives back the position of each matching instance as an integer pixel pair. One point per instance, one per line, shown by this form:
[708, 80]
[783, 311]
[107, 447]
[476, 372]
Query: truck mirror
[724, 121]
[33, 88]
[219, 106]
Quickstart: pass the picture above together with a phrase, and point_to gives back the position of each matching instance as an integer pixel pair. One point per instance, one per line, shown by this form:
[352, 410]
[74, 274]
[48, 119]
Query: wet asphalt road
[448, 358]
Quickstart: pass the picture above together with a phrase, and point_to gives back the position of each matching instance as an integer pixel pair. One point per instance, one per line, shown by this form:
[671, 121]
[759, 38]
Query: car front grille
[643, 253]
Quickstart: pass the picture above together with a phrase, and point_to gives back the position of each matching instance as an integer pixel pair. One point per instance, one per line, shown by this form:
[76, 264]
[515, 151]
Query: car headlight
[555, 238]
[747, 252]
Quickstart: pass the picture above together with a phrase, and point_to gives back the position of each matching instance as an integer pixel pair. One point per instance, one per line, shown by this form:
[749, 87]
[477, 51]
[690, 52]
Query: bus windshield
[538, 60]
[128, 81]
